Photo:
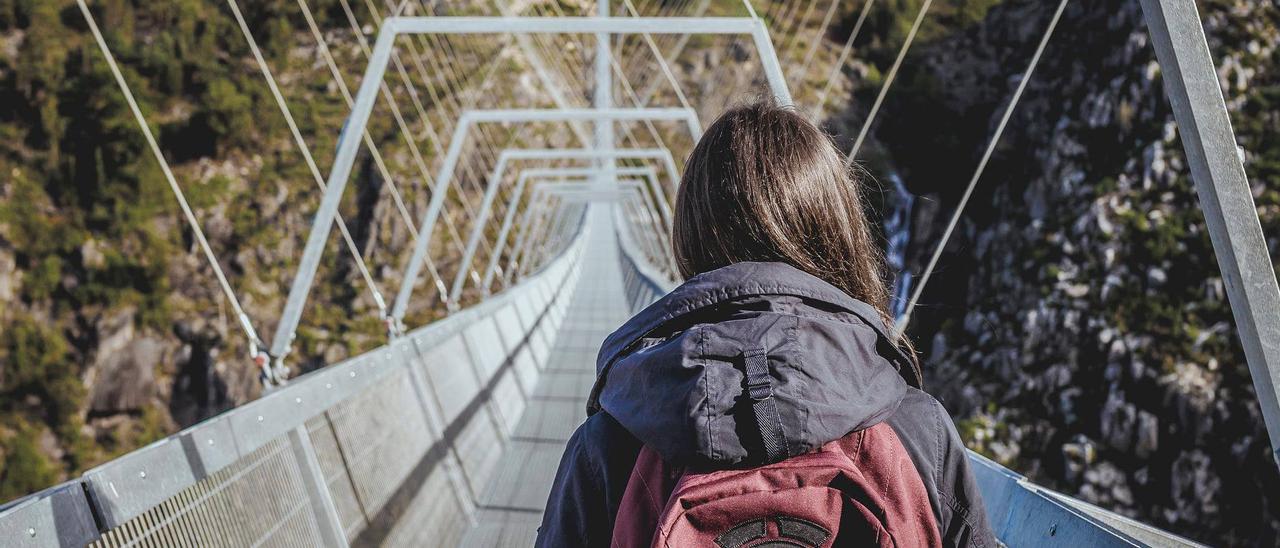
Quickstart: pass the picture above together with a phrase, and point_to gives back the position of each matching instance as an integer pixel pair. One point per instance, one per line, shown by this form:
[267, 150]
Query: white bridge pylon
[628, 191]
[539, 175]
[491, 191]
[459, 138]
[393, 27]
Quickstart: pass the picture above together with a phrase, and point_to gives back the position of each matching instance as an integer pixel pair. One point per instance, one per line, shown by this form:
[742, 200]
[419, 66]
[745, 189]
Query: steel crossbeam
[649, 174]
[414, 268]
[392, 27]
[586, 190]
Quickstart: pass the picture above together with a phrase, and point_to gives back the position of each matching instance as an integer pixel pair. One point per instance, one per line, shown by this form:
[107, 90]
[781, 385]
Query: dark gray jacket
[672, 379]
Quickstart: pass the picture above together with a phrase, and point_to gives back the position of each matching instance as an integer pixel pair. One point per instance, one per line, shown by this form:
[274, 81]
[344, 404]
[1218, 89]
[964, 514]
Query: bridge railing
[388, 447]
[643, 282]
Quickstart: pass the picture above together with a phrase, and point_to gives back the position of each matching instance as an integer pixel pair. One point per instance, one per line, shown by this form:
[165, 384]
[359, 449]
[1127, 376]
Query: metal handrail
[76, 512]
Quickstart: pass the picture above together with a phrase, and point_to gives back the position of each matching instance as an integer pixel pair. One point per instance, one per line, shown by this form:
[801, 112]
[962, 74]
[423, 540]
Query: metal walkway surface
[510, 507]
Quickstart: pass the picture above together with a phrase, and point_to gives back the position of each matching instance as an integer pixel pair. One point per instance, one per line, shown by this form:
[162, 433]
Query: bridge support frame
[574, 196]
[607, 155]
[1191, 82]
[526, 176]
[414, 268]
[444, 180]
[392, 27]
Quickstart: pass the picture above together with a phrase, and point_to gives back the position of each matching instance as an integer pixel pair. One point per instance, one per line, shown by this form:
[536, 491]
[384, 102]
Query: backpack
[859, 490]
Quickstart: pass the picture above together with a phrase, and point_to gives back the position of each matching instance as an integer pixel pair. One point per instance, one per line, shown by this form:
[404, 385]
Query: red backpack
[860, 490]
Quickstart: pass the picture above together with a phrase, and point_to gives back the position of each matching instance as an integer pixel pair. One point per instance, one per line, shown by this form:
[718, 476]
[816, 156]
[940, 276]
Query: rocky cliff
[1077, 325]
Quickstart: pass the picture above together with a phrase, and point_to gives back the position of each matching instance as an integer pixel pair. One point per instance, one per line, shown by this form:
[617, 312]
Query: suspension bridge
[538, 242]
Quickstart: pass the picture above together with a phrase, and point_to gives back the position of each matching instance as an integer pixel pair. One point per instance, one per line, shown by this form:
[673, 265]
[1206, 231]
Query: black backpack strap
[765, 409]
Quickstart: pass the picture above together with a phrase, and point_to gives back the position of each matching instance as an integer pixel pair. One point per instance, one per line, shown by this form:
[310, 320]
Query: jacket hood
[676, 374]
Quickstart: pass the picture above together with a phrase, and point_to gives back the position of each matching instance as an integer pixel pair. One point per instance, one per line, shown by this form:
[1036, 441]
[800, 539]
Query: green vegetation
[890, 22]
[25, 468]
[1085, 302]
[89, 220]
[982, 432]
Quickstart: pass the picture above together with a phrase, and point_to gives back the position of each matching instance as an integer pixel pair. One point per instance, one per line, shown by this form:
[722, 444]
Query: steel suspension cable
[888, 83]
[484, 139]
[400, 121]
[448, 75]
[411, 88]
[488, 246]
[717, 73]
[796, 29]
[659, 195]
[256, 345]
[432, 135]
[306, 155]
[782, 9]
[821, 106]
[574, 79]
[779, 13]
[662, 64]
[467, 169]
[522, 232]
[812, 50]
[631, 92]
[657, 232]
[901, 323]
[637, 216]
[521, 258]
[415, 153]
[528, 48]
[680, 42]
[322, 45]
[485, 145]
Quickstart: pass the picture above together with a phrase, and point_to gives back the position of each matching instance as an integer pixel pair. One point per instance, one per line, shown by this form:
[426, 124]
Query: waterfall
[897, 230]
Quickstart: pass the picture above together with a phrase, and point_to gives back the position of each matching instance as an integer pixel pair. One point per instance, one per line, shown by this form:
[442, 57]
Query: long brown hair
[764, 184]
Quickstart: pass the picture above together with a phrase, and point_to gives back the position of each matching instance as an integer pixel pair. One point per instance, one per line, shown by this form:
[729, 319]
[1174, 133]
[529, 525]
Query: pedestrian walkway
[511, 504]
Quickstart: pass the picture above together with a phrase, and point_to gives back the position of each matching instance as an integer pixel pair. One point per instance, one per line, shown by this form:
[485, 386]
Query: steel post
[1191, 81]
[541, 173]
[323, 509]
[348, 146]
[445, 179]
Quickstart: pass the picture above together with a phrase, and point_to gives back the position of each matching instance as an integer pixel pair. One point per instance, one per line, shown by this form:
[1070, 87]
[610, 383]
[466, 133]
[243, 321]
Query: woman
[775, 349]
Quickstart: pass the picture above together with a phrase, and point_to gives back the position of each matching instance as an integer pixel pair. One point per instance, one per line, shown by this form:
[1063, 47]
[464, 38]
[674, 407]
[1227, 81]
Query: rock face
[1078, 324]
[123, 371]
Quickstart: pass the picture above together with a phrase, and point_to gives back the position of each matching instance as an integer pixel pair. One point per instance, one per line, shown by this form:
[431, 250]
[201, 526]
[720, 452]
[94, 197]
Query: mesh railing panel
[479, 446]
[337, 479]
[257, 501]
[451, 376]
[388, 448]
[384, 435]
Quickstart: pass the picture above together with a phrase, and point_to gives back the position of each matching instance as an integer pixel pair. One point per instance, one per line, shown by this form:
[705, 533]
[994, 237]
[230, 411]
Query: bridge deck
[369, 443]
[511, 504]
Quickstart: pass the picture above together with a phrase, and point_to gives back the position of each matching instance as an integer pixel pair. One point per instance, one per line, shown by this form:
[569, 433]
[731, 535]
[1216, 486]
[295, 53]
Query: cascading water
[897, 230]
